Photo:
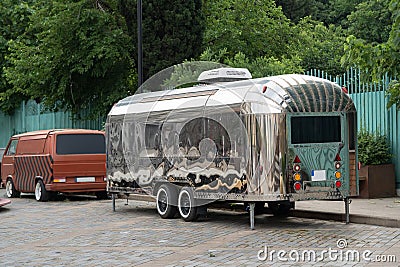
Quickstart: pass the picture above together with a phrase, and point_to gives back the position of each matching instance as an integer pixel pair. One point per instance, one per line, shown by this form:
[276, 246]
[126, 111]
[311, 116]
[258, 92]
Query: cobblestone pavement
[85, 232]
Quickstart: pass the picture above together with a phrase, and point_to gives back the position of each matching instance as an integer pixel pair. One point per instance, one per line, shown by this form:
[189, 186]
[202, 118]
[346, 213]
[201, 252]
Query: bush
[373, 148]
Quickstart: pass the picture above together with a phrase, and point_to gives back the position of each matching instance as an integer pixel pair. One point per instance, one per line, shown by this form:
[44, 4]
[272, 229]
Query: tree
[371, 21]
[172, 32]
[319, 47]
[295, 10]
[378, 59]
[254, 28]
[75, 54]
[14, 18]
[339, 10]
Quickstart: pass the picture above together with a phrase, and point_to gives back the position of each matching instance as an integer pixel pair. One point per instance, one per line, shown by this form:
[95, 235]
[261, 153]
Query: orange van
[51, 161]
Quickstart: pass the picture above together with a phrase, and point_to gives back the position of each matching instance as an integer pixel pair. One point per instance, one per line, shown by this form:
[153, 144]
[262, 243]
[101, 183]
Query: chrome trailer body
[237, 141]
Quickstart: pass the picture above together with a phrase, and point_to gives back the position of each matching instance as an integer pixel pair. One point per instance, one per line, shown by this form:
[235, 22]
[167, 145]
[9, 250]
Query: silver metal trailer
[271, 140]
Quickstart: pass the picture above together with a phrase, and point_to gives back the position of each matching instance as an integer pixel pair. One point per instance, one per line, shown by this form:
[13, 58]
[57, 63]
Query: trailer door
[318, 155]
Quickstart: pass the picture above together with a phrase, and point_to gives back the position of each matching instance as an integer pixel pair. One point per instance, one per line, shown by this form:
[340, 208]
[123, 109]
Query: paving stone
[85, 232]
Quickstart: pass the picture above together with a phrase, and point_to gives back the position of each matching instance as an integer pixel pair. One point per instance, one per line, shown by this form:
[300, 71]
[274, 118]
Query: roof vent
[224, 75]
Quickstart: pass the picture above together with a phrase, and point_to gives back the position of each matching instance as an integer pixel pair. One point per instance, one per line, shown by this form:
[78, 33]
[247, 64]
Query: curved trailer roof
[290, 93]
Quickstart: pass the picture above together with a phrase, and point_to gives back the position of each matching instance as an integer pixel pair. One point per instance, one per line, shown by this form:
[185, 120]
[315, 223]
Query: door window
[12, 148]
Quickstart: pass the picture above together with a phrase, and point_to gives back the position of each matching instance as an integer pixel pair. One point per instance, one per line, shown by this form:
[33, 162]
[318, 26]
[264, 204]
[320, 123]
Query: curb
[341, 217]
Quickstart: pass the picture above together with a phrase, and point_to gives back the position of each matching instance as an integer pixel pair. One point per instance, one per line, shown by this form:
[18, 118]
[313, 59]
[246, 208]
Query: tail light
[296, 168]
[297, 186]
[297, 176]
[338, 173]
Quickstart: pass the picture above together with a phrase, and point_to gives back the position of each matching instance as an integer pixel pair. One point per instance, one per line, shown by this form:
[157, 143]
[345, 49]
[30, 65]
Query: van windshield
[67, 144]
[315, 129]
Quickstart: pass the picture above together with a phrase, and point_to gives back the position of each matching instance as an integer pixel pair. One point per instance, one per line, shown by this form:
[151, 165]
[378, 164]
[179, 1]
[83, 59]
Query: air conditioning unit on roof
[224, 75]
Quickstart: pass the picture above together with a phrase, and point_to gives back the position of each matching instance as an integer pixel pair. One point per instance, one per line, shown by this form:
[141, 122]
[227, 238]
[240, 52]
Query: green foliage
[75, 54]
[371, 21]
[78, 53]
[295, 10]
[254, 28]
[373, 148]
[14, 18]
[172, 32]
[319, 47]
[394, 38]
[376, 59]
[394, 94]
[338, 10]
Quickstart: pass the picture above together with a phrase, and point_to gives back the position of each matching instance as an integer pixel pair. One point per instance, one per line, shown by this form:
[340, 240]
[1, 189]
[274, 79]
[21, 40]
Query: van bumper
[76, 187]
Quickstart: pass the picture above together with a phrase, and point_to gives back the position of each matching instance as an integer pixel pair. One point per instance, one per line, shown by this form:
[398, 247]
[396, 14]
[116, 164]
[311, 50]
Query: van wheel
[187, 205]
[10, 189]
[166, 201]
[41, 194]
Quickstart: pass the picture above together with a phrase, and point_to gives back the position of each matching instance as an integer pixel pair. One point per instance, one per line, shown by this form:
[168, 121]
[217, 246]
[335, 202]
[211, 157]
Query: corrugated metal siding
[372, 114]
[31, 117]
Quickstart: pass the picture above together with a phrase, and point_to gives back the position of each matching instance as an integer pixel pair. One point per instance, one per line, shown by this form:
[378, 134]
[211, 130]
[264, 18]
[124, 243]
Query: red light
[296, 159]
[337, 158]
[338, 184]
[264, 89]
[297, 186]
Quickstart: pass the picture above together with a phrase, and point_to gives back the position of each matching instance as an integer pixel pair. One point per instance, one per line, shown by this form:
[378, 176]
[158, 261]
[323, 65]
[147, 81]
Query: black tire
[41, 194]
[101, 195]
[11, 192]
[280, 209]
[187, 205]
[167, 201]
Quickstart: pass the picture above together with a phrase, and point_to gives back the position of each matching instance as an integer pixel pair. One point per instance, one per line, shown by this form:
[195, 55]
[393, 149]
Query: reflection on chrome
[231, 138]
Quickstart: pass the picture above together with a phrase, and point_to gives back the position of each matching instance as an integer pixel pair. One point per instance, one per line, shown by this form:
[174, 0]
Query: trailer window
[315, 129]
[68, 144]
[152, 136]
[352, 130]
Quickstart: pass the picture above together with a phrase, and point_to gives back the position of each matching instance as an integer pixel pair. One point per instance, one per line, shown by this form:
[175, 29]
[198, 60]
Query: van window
[12, 148]
[67, 144]
[34, 146]
[315, 129]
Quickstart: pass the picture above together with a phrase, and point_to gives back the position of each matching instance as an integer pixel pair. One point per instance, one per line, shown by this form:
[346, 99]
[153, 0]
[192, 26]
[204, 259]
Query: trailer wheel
[166, 201]
[280, 209]
[41, 194]
[10, 189]
[186, 205]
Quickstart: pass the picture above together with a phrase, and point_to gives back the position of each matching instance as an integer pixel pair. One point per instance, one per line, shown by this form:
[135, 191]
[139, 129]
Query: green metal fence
[372, 113]
[31, 117]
